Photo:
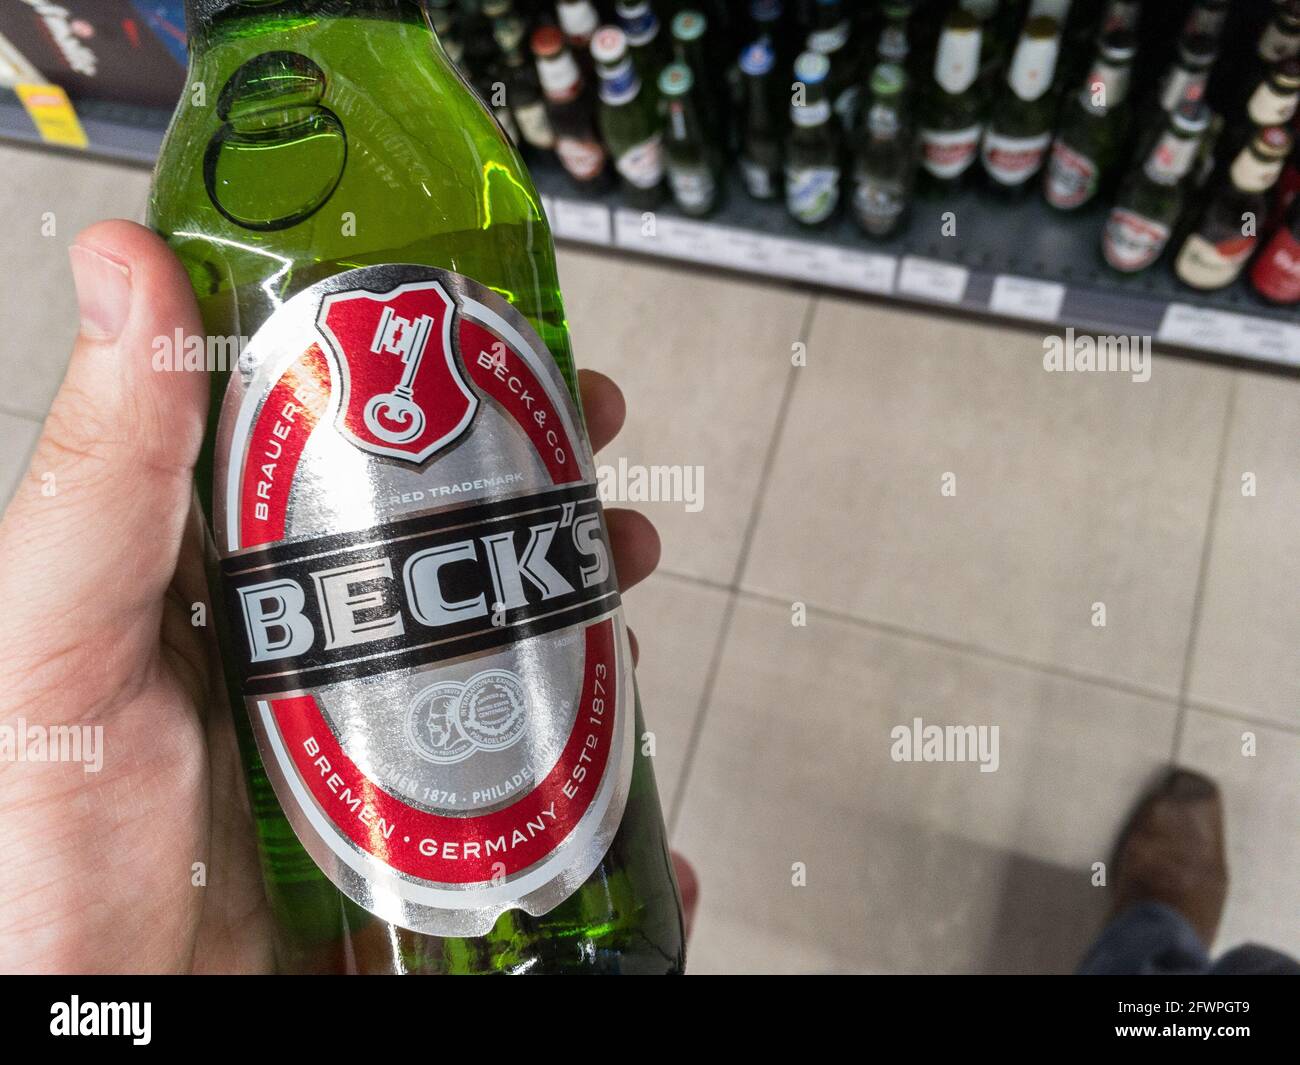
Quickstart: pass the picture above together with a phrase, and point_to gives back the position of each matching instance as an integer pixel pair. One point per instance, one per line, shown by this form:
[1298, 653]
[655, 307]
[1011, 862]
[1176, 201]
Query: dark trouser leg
[1251, 959]
[1148, 938]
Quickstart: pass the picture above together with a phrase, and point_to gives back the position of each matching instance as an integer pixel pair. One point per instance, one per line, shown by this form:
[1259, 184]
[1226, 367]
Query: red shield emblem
[402, 390]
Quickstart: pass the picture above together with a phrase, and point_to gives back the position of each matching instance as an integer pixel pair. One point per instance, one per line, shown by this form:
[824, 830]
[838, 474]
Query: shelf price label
[932, 280]
[53, 115]
[1230, 333]
[827, 264]
[740, 249]
[1025, 297]
[676, 238]
[585, 222]
[861, 271]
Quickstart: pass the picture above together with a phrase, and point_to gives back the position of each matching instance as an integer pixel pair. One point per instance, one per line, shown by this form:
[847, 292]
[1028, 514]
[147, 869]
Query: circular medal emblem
[493, 710]
[432, 728]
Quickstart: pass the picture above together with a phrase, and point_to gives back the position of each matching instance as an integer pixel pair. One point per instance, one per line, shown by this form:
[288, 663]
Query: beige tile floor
[822, 493]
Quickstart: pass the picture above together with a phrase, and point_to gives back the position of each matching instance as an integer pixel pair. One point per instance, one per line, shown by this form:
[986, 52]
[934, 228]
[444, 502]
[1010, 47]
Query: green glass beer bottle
[1151, 198]
[693, 162]
[951, 111]
[812, 150]
[1093, 128]
[408, 562]
[628, 120]
[1019, 128]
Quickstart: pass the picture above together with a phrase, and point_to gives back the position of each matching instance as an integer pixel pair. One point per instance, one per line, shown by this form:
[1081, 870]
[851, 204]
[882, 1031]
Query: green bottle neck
[203, 16]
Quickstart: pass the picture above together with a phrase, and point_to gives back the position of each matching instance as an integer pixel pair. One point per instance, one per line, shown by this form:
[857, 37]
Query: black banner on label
[421, 590]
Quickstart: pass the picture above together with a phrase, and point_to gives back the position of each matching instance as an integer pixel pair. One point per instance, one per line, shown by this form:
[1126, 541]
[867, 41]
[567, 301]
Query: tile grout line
[902, 632]
[1245, 717]
[1202, 573]
[733, 589]
[975, 650]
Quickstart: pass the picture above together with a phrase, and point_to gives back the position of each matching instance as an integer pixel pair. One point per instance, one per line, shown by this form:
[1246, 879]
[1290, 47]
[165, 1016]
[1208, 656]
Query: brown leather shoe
[1172, 851]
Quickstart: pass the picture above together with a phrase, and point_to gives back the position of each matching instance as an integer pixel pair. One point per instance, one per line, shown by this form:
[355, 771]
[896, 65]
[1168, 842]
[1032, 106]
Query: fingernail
[103, 293]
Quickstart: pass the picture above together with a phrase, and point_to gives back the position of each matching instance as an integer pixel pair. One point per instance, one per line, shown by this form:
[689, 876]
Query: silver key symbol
[406, 339]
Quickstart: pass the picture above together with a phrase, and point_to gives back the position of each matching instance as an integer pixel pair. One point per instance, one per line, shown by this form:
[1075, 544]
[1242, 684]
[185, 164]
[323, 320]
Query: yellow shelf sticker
[53, 114]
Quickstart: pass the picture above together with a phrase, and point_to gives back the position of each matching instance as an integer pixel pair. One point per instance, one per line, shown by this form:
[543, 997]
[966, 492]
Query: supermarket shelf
[1027, 263]
[119, 132]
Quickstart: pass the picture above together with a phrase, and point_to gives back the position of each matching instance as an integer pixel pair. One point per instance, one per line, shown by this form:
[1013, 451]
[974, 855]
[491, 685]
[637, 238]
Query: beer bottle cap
[1192, 116]
[887, 79]
[757, 59]
[675, 79]
[577, 17]
[811, 68]
[495, 9]
[688, 25]
[608, 44]
[631, 9]
[547, 41]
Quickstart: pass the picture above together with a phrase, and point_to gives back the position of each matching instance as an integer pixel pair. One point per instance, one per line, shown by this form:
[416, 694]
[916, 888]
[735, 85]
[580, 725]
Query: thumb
[90, 541]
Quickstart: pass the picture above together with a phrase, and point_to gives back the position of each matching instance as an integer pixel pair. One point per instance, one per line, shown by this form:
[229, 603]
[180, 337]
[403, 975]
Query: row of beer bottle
[662, 103]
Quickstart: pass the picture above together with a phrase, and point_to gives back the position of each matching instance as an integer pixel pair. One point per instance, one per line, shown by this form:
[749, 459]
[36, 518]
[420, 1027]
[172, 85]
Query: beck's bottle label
[1072, 177]
[421, 598]
[1012, 161]
[947, 154]
[1132, 241]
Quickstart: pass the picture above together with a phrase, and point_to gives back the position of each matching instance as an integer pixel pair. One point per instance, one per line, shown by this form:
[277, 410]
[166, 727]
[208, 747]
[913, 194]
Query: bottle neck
[758, 101]
[683, 127]
[1120, 15]
[830, 30]
[1185, 84]
[641, 26]
[1106, 87]
[203, 18]
[559, 75]
[893, 46]
[619, 83]
[815, 108]
[884, 120]
[983, 10]
[1251, 173]
[1032, 67]
[1172, 158]
[957, 60]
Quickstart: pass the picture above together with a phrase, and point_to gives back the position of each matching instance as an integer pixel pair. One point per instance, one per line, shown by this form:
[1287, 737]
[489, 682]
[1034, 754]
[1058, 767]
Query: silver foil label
[422, 603]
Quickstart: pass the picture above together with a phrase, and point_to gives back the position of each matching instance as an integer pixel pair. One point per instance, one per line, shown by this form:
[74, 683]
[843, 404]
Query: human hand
[100, 565]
